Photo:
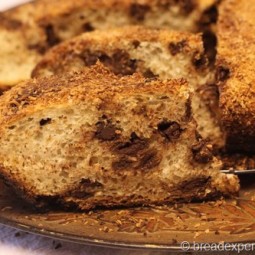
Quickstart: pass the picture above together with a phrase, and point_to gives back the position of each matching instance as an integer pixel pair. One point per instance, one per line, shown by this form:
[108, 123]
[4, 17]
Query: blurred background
[5, 4]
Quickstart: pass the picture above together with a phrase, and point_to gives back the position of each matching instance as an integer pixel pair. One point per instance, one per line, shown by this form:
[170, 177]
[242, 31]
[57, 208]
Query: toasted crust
[137, 42]
[235, 72]
[31, 29]
[33, 95]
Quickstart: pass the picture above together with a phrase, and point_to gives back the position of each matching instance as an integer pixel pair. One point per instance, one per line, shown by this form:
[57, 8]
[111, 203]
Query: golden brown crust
[85, 49]
[235, 72]
[35, 94]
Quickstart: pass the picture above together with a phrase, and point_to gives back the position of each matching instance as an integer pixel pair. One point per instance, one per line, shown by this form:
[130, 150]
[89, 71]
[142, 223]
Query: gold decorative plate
[162, 228]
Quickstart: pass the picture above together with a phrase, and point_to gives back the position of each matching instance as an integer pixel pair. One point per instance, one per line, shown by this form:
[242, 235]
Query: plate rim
[103, 243]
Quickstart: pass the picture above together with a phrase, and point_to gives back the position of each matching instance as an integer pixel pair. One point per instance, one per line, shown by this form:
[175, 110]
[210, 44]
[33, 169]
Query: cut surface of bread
[28, 31]
[235, 73]
[152, 52]
[94, 139]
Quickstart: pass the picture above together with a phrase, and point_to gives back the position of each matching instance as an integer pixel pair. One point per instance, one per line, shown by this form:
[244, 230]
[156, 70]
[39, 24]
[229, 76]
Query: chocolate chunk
[122, 64]
[136, 44]
[199, 60]
[188, 110]
[132, 147]
[52, 38]
[210, 46]
[123, 163]
[195, 185]
[87, 27]
[222, 73]
[209, 16]
[138, 11]
[149, 74]
[135, 154]
[90, 58]
[119, 63]
[170, 129]
[44, 122]
[106, 131]
[149, 160]
[134, 137]
[85, 188]
[176, 48]
[144, 161]
[201, 152]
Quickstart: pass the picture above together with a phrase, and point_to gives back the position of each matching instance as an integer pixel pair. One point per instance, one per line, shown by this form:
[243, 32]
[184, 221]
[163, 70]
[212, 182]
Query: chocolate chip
[52, 38]
[149, 74]
[122, 164]
[210, 46]
[209, 16]
[87, 27]
[138, 11]
[122, 64]
[119, 63]
[194, 185]
[176, 48]
[149, 160]
[85, 188]
[199, 60]
[132, 147]
[188, 110]
[170, 129]
[146, 160]
[90, 58]
[136, 43]
[44, 122]
[222, 73]
[201, 152]
[106, 131]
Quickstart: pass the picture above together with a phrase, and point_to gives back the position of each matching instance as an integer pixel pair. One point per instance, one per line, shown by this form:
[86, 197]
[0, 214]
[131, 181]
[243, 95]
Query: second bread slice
[152, 52]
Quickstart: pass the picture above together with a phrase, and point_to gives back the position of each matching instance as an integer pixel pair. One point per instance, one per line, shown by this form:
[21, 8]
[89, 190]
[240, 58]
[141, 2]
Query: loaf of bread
[28, 31]
[235, 73]
[152, 52]
[91, 138]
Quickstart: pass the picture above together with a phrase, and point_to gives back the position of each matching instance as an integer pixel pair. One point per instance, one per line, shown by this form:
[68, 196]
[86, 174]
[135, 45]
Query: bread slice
[152, 52]
[235, 73]
[28, 31]
[94, 139]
